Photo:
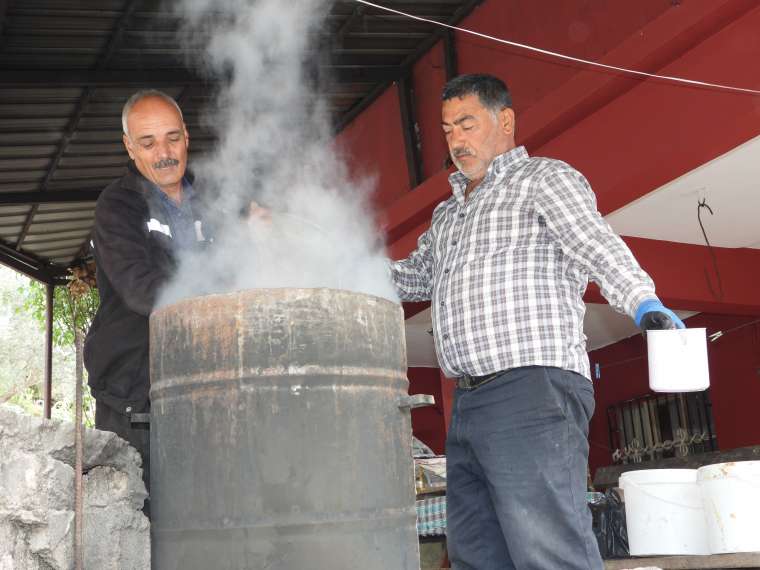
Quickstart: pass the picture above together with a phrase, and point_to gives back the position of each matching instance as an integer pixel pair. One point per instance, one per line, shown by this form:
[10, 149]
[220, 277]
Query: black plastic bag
[608, 515]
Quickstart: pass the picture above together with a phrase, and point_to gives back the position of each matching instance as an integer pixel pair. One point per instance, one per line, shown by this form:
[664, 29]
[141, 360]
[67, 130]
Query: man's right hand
[653, 315]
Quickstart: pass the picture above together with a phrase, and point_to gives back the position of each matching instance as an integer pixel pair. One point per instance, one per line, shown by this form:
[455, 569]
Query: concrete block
[37, 502]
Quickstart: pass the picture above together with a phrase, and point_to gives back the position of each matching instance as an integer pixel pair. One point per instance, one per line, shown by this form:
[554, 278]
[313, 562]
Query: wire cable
[719, 295]
[716, 335]
[562, 56]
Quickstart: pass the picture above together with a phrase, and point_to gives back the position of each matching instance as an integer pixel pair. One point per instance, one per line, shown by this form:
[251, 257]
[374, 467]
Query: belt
[467, 382]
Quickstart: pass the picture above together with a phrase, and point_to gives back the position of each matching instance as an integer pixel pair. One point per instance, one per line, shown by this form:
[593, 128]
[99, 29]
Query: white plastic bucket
[678, 360]
[663, 512]
[731, 499]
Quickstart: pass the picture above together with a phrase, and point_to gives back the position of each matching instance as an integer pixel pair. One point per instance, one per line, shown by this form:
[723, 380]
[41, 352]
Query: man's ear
[187, 136]
[507, 120]
[127, 145]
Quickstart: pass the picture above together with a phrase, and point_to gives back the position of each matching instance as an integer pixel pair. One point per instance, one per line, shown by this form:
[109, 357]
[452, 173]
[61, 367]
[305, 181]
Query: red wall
[373, 145]
[734, 361]
[373, 142]
[585, 29]
[428, 423]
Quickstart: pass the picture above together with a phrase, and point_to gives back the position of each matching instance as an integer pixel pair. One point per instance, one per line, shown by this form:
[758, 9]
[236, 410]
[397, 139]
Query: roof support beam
[461, 13]
[116, 35]
[396, 73]
[29, 265]
[184, 96]
[359, 107]
[81, 194]
[166, 77]
[409, 130]
[356, 16]
[450, 54]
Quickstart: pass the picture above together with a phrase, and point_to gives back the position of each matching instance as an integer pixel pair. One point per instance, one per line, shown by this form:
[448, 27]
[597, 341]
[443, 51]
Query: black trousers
[516, 458]
[138, 436]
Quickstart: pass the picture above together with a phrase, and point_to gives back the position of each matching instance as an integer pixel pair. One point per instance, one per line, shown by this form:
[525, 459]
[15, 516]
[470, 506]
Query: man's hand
[258, 213]
[652, 315]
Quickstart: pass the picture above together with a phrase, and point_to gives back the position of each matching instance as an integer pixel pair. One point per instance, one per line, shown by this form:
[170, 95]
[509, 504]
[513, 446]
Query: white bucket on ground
[678, 360]
[731, 499]
[663, 512]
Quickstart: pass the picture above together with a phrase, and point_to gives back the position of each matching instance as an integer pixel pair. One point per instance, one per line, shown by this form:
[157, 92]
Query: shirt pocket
[497, 232]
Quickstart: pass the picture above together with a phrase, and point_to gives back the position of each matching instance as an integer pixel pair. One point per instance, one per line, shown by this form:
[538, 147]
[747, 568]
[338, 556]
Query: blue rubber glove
[652, 315]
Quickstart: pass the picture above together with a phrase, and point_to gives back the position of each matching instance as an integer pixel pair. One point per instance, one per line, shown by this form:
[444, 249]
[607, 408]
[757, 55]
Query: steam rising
[275, 147]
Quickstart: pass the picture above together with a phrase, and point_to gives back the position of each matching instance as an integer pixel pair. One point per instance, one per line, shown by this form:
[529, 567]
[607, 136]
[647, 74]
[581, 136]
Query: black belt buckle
[467, 382]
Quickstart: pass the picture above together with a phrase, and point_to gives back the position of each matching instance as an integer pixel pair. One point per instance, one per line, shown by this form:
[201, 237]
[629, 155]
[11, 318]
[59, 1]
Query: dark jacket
[134, 257]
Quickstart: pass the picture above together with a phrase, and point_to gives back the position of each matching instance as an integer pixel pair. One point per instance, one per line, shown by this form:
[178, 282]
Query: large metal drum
[277, 436]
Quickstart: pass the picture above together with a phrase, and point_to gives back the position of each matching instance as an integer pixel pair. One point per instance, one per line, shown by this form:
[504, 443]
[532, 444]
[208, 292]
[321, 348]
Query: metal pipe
[79, 449]
[48, 388]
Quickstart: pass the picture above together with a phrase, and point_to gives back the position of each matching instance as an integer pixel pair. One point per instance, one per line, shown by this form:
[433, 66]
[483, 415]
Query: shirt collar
[187, 194]
[498, 166]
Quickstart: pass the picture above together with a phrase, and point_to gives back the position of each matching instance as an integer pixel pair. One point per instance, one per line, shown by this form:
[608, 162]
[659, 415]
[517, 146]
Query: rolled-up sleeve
[413, 276]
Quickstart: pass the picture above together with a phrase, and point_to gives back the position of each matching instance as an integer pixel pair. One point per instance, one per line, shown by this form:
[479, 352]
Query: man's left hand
[653, 315]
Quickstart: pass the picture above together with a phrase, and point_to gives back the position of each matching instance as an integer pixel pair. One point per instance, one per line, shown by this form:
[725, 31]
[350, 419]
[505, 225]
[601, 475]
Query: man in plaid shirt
[505, 263]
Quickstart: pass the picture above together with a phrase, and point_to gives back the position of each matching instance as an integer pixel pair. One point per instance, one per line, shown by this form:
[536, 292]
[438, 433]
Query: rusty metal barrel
[281, 433]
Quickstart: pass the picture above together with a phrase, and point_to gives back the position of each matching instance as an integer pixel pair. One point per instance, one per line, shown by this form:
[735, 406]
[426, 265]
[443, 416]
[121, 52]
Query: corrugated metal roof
[67, 67]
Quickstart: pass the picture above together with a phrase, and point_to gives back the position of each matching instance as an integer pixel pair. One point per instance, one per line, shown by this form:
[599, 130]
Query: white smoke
[275, 147]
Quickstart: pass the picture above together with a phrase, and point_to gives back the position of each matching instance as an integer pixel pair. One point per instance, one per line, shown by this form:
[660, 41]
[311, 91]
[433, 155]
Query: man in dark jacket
[142, 221]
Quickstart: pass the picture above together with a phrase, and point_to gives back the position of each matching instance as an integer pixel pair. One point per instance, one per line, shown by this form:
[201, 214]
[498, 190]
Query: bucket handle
[416, 401]
[674, 503]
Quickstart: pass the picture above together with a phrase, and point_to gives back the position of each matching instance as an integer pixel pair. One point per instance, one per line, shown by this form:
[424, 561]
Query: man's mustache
[460, 152]
[165, 163]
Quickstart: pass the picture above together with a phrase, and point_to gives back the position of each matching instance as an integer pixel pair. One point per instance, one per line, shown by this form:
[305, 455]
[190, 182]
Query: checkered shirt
[506, 269]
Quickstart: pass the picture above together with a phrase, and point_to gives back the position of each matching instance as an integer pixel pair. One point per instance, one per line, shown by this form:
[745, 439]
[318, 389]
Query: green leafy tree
[73, 311]
[74, 308]
[22, 356]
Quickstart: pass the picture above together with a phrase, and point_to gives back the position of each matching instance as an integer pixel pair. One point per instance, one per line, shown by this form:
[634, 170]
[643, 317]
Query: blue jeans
[517, 455]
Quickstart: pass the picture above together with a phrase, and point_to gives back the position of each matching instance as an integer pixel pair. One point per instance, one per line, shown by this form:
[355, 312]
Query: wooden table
[711, 562]
[606, 477]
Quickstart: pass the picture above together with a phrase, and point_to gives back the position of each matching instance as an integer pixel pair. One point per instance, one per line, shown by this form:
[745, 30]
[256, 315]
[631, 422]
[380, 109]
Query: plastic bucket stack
[663, 511]
[711, 510]
[731, 497]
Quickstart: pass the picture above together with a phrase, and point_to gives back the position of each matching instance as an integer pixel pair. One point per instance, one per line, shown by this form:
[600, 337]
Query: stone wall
[37, 498]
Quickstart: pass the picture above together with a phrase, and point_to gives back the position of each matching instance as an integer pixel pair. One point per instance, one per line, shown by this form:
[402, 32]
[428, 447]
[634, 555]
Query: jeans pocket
[573, 394]
[555, 394]
[584, 392]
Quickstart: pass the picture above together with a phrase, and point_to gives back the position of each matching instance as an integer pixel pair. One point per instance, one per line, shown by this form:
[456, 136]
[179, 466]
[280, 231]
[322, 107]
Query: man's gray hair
[492, 92]
[139, 96]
